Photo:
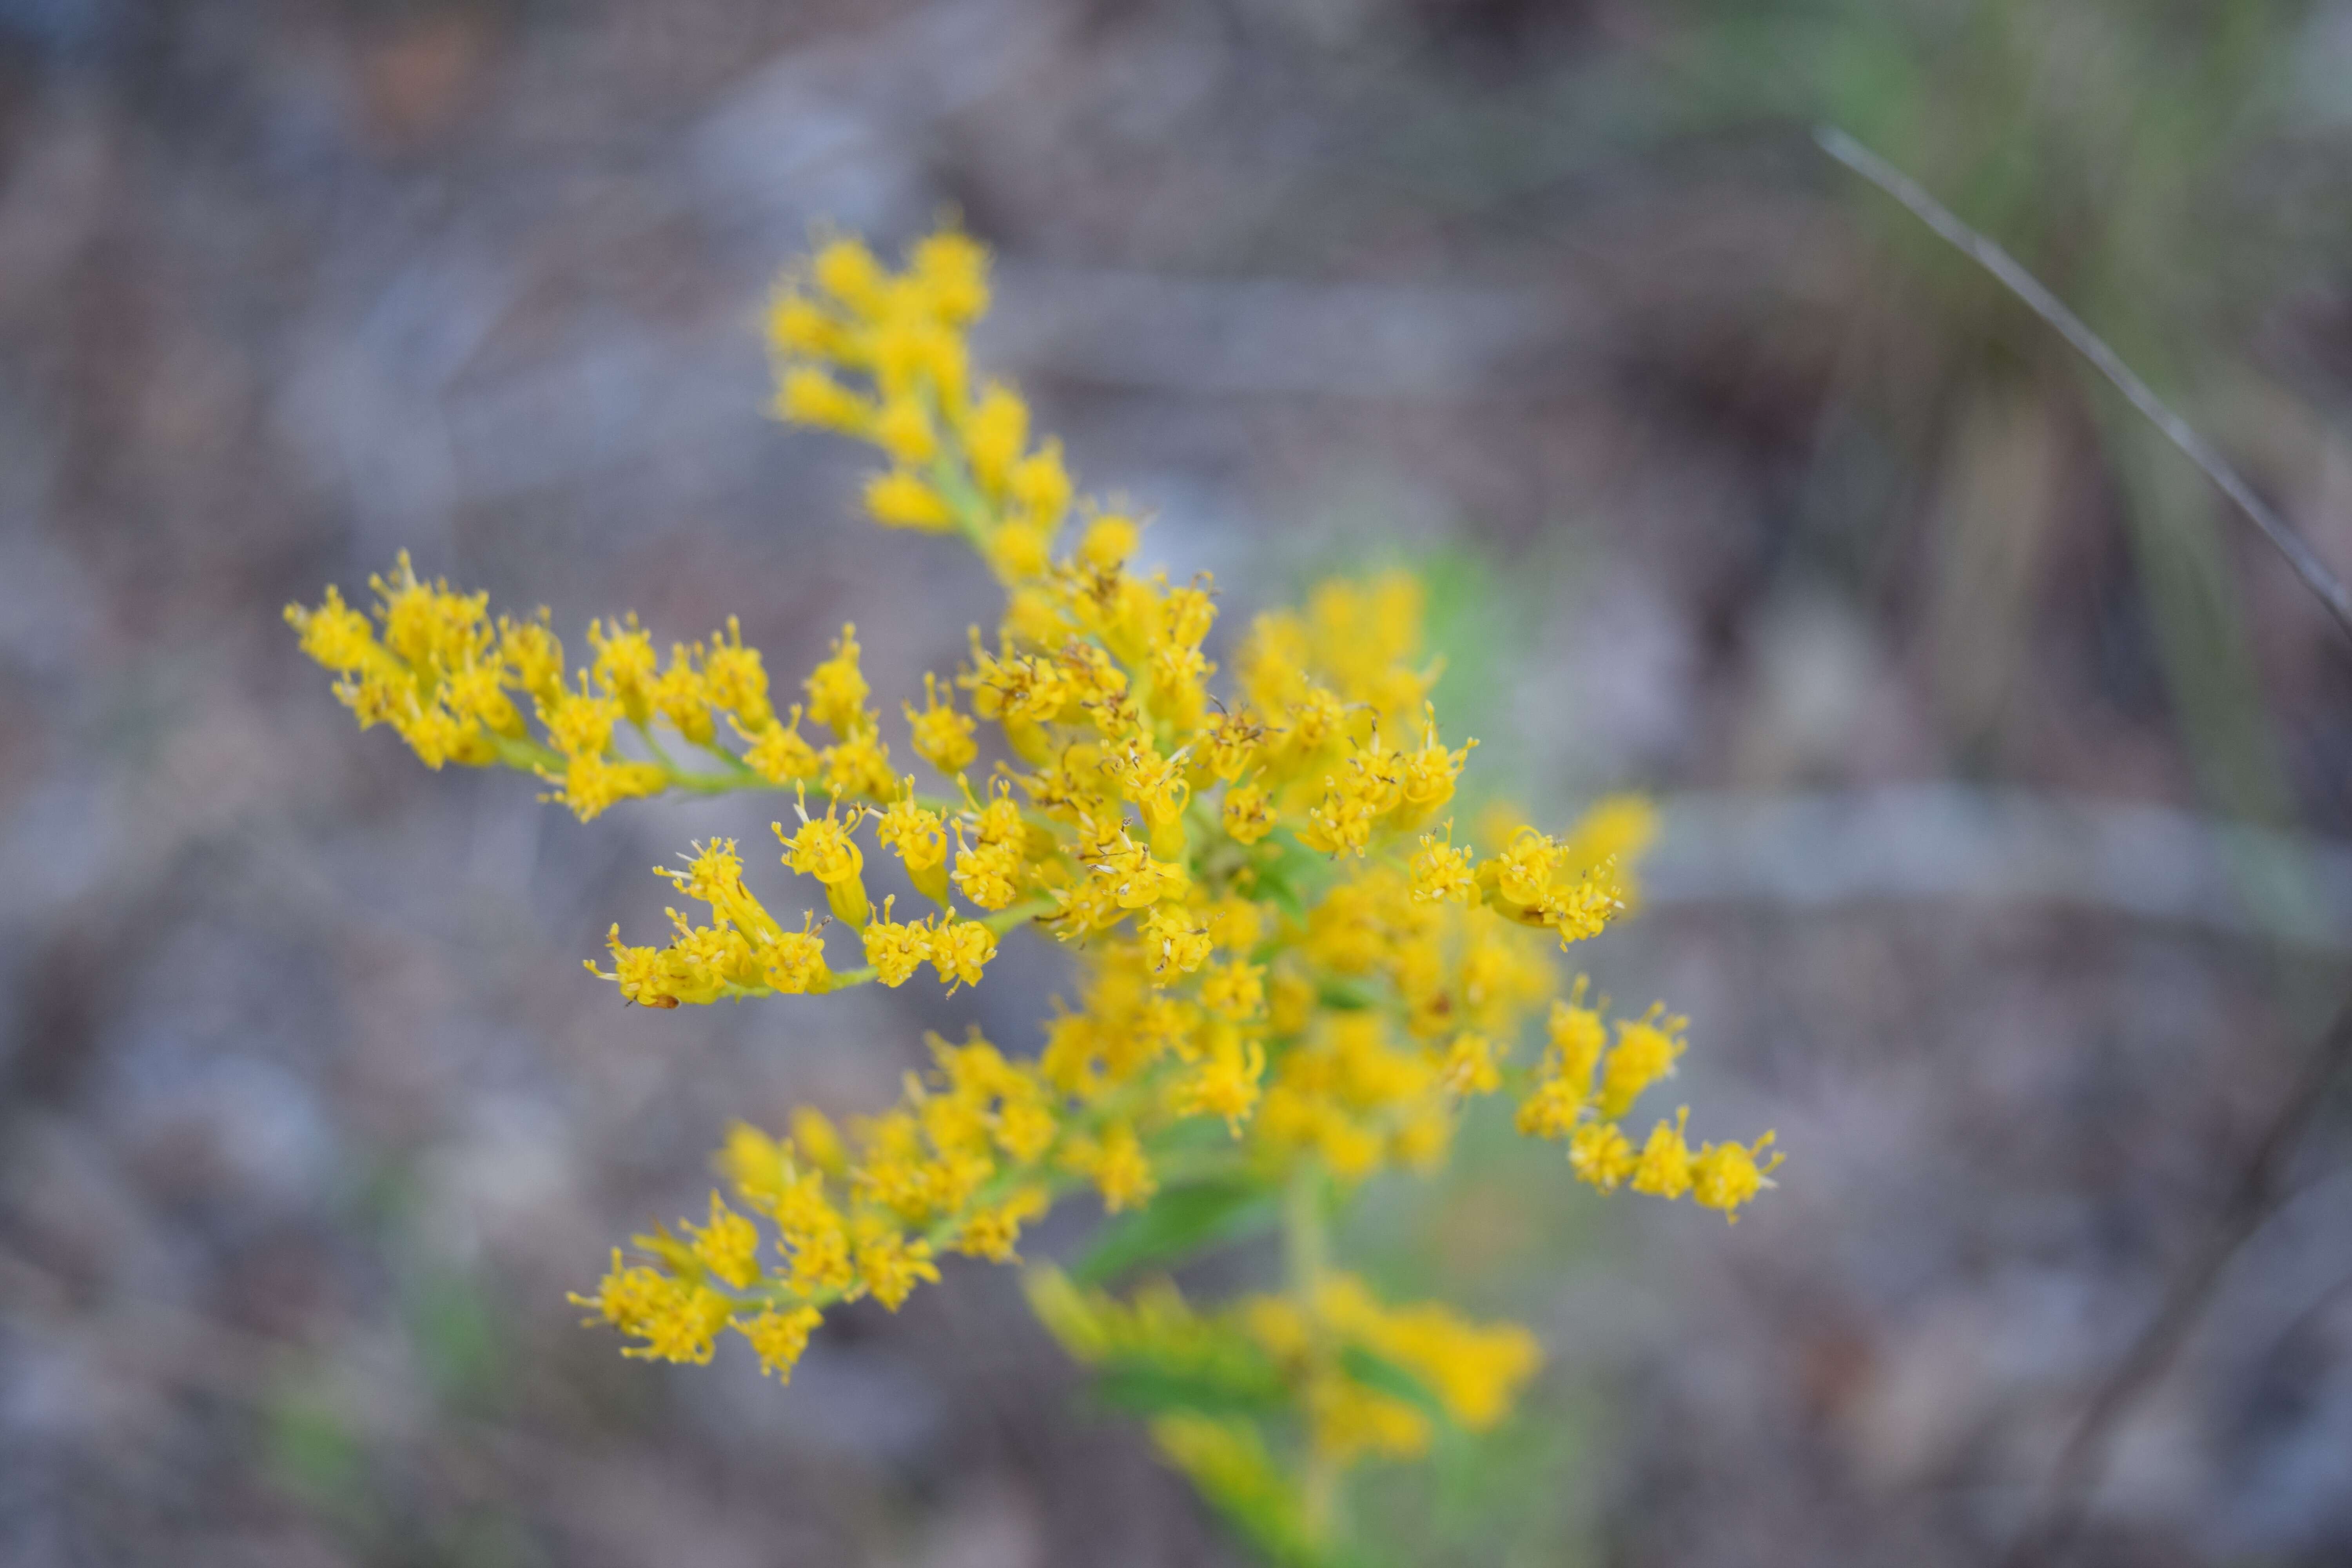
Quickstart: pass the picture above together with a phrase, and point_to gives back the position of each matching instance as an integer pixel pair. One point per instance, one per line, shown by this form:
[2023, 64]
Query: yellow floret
[836, 688]
[779, 1338]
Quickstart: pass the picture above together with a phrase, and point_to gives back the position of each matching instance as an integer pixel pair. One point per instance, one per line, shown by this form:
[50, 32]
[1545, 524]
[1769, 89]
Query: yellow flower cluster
[1566, 1102]
[1289, 965]
[961, 1164]
[1371, 1379]
[457, 687]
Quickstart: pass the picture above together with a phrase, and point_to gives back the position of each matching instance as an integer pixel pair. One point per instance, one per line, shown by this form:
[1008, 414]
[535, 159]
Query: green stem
[716, 784]
[535, 757]
[1306, 1250]
[843, 979]
[736, 768]
[958, 489]
[528, 755]
[644, 733]
[1011, 915]
[1306, 1241]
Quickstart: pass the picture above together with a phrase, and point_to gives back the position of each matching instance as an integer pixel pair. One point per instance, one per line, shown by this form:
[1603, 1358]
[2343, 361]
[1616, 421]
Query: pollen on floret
[1585, 907]
[1523, 874]
[682, 694]
[736, 679]
[990, 875]
[1726, 1175]
[578, 724]
[993, 1233]
[1601, 1153]
[953, 268]
[1137, 879]
[899, 499]
[625, 665]
[757, 1166]
[845, 270]
[533, 655]
[859, 765]
[1233, 990]
[677, 1319]
[1663, 1168]
[636, 971]
[1021, 550]
[795, 962]
[1442, 872]
[822, 847]
[993, 435]
[836, 688]
[1576, 1036]
[1236, 924]
[904, 430]
[889, 1265]
[822, 1259]
[1040, 485]
[809, 397]
[1176, 943]
[960, 949]
[999, 821]
[913, 830]
[1233, 737]
[713, 875]
[1115, 1163]
[1646, 1050]
[728, 1245]
[781, 755]
[942, 737]
[897, 949]
[1026, 1126]
[1246, 815]
[1550, 1110]
[1342, 823]
[1225, 1082]
[1469, 1067]
[430, 626]
[799, 325]
[1152, 781]
[592, 784]
[335, 634]
[1426, 777]
[818, 1140]
[1109, 541]
[779, 1338]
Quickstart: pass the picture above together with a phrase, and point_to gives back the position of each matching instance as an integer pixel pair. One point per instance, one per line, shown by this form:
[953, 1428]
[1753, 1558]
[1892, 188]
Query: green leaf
[1290, 874]
[1273, 883]
[1228, 1462]
[1241, 1386]
[1345, 996]
[1381, 1375]
[1179, 1222]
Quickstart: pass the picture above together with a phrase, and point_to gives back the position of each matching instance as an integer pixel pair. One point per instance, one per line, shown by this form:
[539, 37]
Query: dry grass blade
[2029, 290]
[2082, 1461]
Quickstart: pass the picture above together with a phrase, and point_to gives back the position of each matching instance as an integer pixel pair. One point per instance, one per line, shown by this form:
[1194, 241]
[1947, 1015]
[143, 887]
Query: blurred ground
[1738, 489]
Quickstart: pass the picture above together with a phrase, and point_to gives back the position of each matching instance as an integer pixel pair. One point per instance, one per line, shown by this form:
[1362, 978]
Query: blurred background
[2008, 868]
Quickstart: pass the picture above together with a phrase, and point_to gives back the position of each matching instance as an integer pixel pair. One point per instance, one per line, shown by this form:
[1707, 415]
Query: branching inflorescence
[1292, 974]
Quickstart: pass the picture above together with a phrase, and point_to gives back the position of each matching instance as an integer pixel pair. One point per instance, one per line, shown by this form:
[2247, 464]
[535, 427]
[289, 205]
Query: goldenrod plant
[1291, 972]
